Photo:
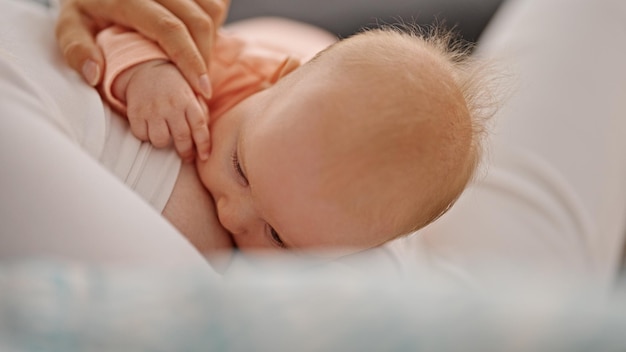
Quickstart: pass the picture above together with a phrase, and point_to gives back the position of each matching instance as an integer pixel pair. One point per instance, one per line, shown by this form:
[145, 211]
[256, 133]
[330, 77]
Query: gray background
[344, 17]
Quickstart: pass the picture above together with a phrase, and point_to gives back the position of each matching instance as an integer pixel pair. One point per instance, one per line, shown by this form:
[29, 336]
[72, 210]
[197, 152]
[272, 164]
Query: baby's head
[372, 139]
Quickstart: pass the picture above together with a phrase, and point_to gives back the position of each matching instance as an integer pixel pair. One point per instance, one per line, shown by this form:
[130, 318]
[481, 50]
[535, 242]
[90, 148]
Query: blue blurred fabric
[64, 306]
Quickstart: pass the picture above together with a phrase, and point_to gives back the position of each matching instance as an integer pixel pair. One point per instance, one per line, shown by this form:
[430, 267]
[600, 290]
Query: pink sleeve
[241, 68]
[122, 50]
[238, 69]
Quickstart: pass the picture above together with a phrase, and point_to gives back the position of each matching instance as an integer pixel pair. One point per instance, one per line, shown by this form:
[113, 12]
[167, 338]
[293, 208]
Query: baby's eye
[276, 238]
[235, 161]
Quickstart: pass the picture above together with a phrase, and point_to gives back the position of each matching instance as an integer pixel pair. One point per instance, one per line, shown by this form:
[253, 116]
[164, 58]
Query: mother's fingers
[217, 9]
[75, 37]
[79, 21]
[200, 24]
[160, 24]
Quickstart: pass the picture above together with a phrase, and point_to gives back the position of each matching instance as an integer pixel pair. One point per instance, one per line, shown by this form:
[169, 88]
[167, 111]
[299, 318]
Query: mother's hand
[185, 29]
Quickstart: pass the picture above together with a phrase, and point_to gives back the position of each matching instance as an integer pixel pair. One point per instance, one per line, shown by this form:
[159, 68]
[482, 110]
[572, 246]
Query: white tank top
[148, 171]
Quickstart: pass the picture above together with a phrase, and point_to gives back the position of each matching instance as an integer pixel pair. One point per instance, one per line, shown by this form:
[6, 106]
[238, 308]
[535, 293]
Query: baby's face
[271, 173]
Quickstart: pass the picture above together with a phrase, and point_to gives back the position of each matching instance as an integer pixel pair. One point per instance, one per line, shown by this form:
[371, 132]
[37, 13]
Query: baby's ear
[287, 67]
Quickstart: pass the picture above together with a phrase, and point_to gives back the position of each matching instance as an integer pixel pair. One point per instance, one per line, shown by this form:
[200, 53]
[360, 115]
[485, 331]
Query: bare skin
[192, 211]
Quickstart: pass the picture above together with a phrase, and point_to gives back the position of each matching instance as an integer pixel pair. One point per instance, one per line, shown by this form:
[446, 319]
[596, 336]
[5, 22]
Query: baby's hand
[163, 107]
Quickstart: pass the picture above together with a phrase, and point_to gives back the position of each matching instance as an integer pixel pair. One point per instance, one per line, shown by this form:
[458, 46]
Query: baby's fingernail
[205, 86]
[91, 72]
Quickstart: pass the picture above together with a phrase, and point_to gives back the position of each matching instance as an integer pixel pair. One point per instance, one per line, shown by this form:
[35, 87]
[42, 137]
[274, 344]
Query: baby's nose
[232, 216]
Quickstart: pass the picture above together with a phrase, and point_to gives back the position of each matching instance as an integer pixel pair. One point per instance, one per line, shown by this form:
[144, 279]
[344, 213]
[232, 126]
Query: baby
[374, 138]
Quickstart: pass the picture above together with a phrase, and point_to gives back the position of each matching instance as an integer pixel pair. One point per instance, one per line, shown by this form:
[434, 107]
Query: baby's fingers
[138, 127]
[182, 138]
[159, 133]
[197, 117]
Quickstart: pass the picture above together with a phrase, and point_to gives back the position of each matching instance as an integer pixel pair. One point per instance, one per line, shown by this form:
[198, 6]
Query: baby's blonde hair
[477, 83]
[414, 139]
[466, 80]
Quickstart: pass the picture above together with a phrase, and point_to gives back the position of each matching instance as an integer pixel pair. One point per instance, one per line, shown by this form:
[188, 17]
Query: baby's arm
[140, 81]
[161, 106]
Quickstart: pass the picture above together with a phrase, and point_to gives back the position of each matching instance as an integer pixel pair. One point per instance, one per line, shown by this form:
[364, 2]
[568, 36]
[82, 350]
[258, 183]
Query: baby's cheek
[204, 171]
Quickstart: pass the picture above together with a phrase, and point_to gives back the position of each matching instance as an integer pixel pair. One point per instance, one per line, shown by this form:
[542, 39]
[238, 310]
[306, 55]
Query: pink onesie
[238, 68]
